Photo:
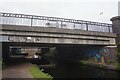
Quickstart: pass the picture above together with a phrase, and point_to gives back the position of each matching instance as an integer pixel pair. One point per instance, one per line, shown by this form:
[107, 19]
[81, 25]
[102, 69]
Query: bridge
[41, 29]
[32, 30]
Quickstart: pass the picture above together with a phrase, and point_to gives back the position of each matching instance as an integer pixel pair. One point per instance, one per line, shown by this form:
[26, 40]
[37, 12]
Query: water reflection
[68, 69]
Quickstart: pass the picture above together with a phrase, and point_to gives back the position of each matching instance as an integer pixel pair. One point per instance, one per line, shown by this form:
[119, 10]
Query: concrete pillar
[5, 51]
[112, 53]
[116, 26]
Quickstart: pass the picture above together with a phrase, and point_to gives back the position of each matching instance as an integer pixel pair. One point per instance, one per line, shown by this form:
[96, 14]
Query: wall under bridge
[96, 54]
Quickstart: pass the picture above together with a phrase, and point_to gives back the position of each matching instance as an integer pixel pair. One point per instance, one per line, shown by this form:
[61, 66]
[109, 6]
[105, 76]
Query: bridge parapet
[44, 21]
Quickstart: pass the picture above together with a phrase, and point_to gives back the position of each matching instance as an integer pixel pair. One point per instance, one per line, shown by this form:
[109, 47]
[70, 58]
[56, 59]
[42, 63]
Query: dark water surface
[68, 69]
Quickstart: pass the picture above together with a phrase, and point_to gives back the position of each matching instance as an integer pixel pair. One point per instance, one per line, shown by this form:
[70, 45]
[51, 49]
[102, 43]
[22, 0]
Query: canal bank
[101, 65]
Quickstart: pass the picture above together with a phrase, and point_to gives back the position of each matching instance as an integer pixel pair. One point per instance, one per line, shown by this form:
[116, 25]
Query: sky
[89, 10]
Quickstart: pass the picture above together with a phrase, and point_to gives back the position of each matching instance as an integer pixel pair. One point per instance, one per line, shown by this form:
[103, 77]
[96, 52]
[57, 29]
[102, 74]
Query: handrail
[11, 18]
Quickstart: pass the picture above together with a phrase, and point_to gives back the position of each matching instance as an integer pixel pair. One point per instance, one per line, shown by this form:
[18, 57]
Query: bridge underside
[45, 44]
[67, 51]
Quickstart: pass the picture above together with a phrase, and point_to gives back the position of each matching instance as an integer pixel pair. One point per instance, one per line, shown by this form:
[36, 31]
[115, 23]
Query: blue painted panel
[92, 51]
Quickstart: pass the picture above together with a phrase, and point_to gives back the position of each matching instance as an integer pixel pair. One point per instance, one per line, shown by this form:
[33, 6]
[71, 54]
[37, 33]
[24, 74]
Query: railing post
[1, 19]
[57, 24]
[86, 26]
[109, 28]
[32, 21]
[74, 26]
[61, 25]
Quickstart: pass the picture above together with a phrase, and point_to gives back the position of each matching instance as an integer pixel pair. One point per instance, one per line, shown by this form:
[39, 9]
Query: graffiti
[98, 57]
[23, 39]
[102, 55]
[104, 51]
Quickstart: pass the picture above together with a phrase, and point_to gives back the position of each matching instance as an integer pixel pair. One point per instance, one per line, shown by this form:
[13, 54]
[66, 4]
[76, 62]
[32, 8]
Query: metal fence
[43, 21]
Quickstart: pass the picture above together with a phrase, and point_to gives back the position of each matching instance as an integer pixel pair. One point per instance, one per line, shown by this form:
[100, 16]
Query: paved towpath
[18, 70]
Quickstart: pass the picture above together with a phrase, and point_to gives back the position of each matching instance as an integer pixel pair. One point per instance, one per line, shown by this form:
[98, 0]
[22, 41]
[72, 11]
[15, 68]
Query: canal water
[70, 69]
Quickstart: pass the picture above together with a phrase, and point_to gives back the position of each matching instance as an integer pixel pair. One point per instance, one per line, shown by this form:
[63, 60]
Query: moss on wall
[118, 53]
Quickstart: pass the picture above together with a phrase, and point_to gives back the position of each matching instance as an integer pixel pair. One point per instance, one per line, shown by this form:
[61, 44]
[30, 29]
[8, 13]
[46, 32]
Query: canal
[71, 69]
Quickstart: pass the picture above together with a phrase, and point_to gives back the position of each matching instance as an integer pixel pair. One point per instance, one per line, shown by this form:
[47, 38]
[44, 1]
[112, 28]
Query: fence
[43, 21]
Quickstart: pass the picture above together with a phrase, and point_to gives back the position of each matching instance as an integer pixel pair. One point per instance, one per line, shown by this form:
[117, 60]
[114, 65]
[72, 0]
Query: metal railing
[43, 21]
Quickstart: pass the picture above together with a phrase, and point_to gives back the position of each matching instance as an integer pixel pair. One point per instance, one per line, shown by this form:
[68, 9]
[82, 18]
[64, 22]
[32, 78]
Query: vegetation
[38, 73]
[84, 62]
[52, 52]
[109, 62]
[118, 56]
[118, 53]
[118, 66]
[0, 64]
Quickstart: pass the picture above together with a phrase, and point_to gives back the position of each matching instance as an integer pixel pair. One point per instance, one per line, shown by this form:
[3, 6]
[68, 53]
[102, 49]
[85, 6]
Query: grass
[118, 53]
[0, 64]
[118, 66]
[83, 62]
[38, 73]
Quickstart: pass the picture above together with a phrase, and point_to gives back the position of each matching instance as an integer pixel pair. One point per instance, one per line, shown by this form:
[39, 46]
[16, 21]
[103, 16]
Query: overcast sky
[89, 10]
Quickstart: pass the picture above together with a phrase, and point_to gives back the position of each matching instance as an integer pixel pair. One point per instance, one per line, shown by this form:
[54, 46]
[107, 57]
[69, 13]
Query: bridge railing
[43, 21]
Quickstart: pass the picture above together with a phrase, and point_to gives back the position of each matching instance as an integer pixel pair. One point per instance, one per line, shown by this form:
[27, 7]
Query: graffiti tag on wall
[104, 51]
[102, 55]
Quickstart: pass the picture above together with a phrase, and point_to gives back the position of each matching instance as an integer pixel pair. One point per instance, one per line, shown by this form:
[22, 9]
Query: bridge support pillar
[112, 52]
[5, 52]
